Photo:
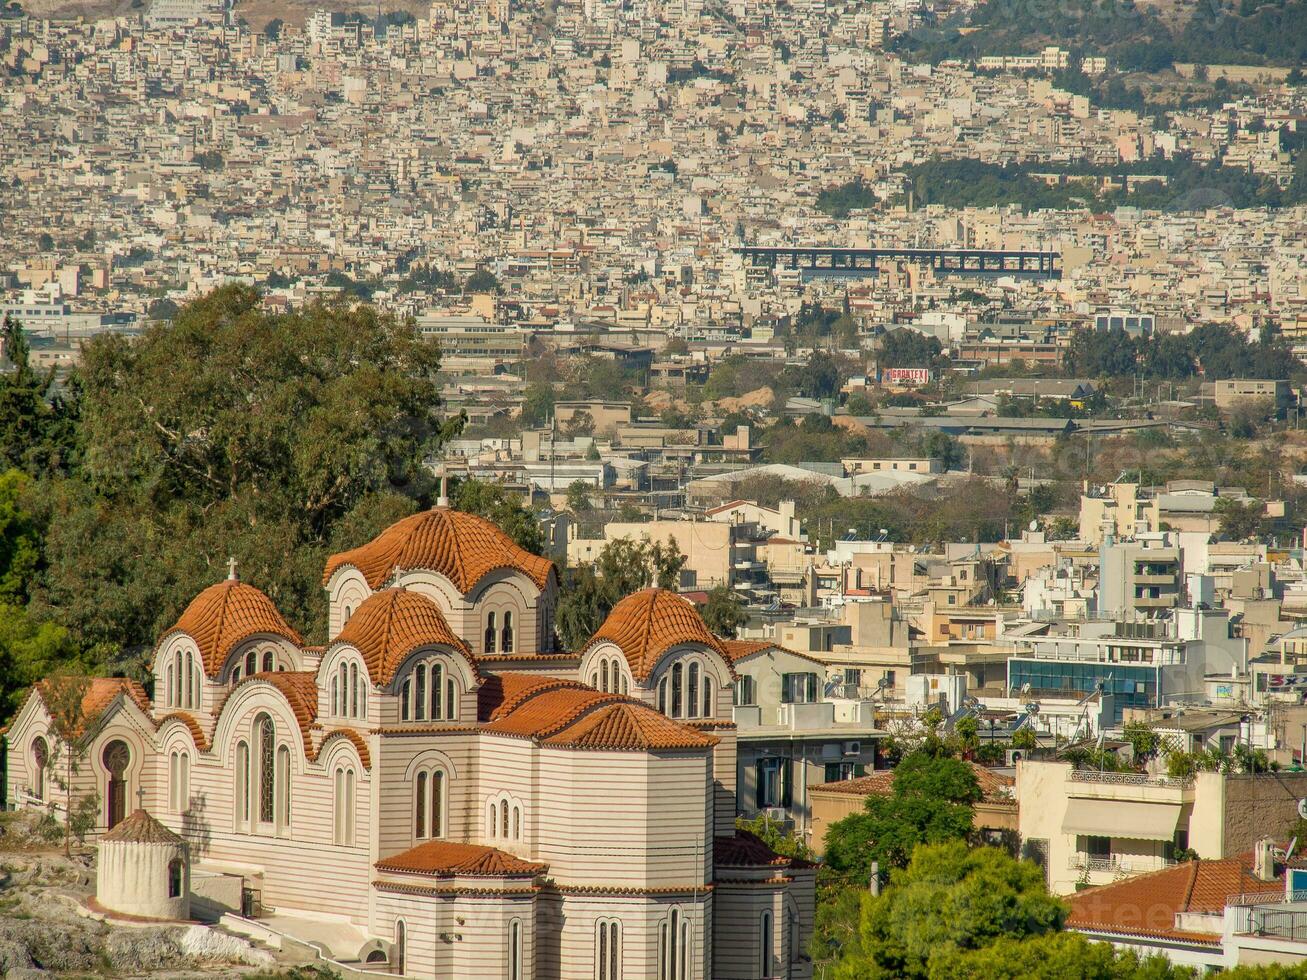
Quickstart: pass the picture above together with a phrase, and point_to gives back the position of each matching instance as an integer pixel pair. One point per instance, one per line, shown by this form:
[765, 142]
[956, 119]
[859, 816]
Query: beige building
[1096, 827]
[714, 551]
[1119, 510]
[440, 783]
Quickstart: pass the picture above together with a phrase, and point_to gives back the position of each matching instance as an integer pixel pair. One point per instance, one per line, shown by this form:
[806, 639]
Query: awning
[1121, 818]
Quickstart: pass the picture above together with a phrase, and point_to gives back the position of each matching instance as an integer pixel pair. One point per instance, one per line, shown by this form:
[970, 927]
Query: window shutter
[786, 765]
[760, 784]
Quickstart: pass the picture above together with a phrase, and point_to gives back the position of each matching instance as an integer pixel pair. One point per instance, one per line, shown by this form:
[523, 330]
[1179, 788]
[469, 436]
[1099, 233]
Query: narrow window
[335, 695]
[437, 691]
[662, 695]
[603, 675]
[268, 662]
[613, 947]
[242, 782]
[267, 774]
[175, 878]
[420, 807]
[692, 694]
[677, 671]
[765, 944]
[190, 680]
[517, 823]
[403, 699]
[438, 804]
[594, 680]
[603, 951]
[173, 779]
[507, 635]
[515, 950]
[685, 951]
[235, 673]
[251, 664]
[349, 806]
[491, 633]
[420, 692]
[184, 794]
[354, 690]
[503, 819]
[492, 824]
[338, 824]
[198, 686]
[175, 681]
[399, 947]
[283, 782]
[625, 687]
[170, 697]
[671, 952]
[40, 759]
[451, 701]
[707, 696]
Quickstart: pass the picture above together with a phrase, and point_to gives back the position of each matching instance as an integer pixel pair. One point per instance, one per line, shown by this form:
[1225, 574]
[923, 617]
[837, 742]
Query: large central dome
[647, 624]
[462, 547]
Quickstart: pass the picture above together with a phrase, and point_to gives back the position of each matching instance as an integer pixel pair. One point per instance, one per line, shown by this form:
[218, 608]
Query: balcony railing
[1275, 923]
[1118, 864]
[1126, 778]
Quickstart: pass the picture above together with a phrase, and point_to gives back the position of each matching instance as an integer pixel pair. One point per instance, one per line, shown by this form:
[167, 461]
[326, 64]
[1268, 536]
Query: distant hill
[1245, 32]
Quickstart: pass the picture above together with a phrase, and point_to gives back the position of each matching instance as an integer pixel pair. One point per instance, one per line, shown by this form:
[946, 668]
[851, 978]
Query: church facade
[446, 779]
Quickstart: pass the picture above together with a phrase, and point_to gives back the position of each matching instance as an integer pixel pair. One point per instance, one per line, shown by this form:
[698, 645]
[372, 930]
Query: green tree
[37, 428]
[29, 651]
[578, 496]
[20, 539]
[949, 900]
[228, 431]
[1240, 520]
[930, 801]
[482, 281]
[538, 403]
[724, 612]
[65, 699]
[623, 567]
[502, 508]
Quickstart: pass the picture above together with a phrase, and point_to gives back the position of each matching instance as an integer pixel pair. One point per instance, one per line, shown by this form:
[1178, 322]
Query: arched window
[622, 674]
[792, 923]
[269, 662]
[343, 822]
[420, 806]
[335, 694]
[503, 819]
[437, 691]
[517, 823]
[354, 690]
[678, 671]
[420, 692]
[404, 690]
[707, 696]
[283, 782]
[169, 686]
[692, 691]
[662, 695]
[266, 735]
[437, 803]
[515, 950]
[179, 782]
[603, 675]
[40, 759]
[399, 946]
[175, 878]
[607, 950]
[451, 700]
[192, 688]
[492, 822]
[116, 759]
[765, 943]
[236, 673]
[506, 635]
[348, 613]
[251, 663]
[491, 633]
[242, 783]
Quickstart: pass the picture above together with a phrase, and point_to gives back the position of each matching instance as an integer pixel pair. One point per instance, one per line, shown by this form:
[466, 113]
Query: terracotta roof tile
[445, 859]
[737, 650]
[646, 624]
[141, 828]
[359, 743]
[745, 850]
[549, 710]
[227, 614]
[391, 624]
[300, 689]
[501, 693]
[630, 727]
[197, 733]
[100, 694]
[462, 547]
[1147, 904]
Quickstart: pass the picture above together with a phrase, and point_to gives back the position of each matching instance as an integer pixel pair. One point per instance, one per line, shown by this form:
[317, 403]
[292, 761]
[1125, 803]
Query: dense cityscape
[681, 490]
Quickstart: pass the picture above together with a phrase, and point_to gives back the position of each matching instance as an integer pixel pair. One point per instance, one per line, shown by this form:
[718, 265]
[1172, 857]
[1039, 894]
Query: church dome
[390, 625]
[462, 547]
[225, 615]
[647, 624]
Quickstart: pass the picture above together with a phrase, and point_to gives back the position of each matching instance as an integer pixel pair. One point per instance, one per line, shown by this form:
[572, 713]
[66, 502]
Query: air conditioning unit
[1014, 756]
[776, 813]
[852, 748]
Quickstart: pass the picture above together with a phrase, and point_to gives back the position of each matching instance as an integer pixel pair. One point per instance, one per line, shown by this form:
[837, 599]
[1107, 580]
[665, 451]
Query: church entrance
[116, 758]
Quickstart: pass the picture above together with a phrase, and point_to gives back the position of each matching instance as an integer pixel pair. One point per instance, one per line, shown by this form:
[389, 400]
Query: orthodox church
[445, 779]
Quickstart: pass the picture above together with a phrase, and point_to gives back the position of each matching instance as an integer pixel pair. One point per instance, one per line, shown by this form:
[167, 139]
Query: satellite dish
[1034, 525]
[1302, 809]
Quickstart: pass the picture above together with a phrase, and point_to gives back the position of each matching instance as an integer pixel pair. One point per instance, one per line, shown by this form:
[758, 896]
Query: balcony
[1281, 922]
[1120, 865]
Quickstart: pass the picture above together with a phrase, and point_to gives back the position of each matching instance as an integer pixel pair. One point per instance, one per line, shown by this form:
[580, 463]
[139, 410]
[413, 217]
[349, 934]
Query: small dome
[390, 625]
[225, 615]
[462, 547]
[141, 828]
[647, 624]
